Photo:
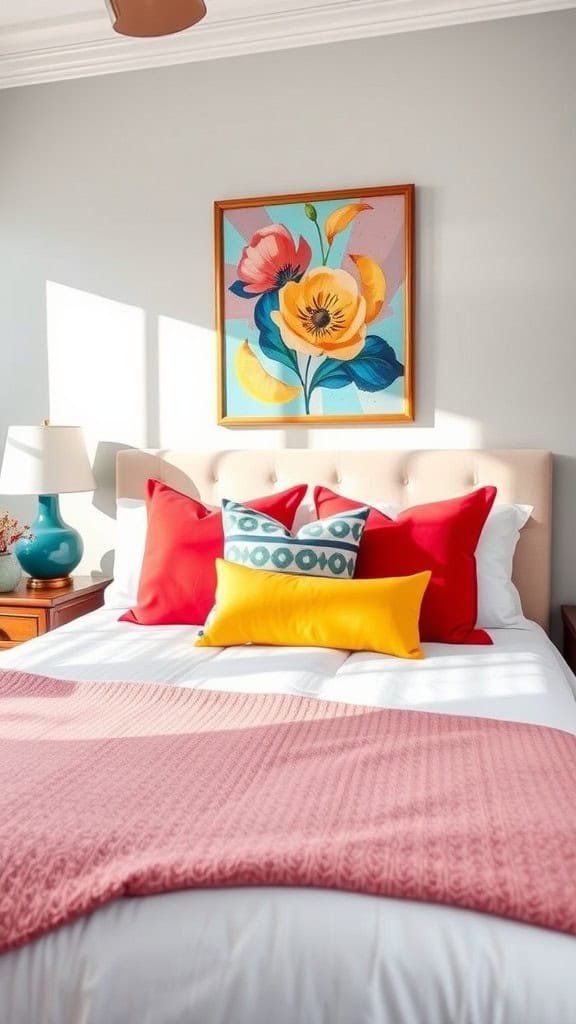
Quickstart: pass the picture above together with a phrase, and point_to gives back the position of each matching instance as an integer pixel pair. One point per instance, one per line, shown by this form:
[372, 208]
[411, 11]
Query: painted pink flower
[272, 259]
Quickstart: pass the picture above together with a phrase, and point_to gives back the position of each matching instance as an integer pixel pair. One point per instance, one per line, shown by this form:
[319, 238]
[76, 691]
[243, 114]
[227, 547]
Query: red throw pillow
[441, 536]
[183, 540]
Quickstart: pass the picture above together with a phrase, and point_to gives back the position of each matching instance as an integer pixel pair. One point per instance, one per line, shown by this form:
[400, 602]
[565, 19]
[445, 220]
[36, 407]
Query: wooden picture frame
[314, 307]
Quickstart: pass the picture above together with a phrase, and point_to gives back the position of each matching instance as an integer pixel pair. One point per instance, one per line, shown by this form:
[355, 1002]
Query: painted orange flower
[323, 314]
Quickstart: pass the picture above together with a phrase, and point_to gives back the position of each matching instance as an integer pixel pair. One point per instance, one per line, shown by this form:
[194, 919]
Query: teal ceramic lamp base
[54, 550]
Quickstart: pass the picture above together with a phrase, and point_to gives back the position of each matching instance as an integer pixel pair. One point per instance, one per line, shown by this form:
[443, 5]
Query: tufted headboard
[377, 477]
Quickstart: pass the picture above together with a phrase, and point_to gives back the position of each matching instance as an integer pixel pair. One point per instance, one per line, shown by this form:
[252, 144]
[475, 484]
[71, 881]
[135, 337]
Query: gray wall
[106, 255]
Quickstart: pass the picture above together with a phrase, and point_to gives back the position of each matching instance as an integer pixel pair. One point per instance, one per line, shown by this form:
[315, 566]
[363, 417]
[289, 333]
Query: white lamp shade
[45, 460]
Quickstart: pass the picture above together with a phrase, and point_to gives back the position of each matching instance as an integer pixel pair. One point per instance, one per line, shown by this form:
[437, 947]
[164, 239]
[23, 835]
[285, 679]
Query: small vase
[10, 572]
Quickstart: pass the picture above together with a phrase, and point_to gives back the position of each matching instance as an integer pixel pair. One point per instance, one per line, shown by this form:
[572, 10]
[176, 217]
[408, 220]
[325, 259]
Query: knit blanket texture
[112, 790]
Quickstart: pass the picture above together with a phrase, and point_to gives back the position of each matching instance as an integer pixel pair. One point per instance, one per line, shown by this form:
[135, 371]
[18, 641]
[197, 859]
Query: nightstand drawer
[26, 613]
[16, 627]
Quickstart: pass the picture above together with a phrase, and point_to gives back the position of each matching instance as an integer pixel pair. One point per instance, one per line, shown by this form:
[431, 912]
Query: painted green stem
[304, 383]
[323, 254]
[306, 392]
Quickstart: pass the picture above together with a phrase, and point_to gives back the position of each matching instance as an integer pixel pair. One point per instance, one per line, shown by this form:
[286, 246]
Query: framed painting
[314, 297]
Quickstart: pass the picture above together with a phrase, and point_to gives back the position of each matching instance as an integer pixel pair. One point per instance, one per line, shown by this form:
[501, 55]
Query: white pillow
[131, 525]
[498, 599]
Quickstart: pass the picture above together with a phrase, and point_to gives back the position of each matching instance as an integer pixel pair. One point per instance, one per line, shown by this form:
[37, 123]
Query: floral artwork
[314, 306]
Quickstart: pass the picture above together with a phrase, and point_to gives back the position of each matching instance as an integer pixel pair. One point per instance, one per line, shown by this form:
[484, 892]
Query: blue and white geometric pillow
[326, 547]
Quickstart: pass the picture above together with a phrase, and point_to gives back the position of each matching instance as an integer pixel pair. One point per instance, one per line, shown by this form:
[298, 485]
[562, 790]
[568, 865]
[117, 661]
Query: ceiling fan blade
[154, 17]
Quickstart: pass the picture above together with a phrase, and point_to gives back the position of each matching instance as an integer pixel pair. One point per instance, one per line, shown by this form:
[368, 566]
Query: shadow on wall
[104, 498]
[104, 469]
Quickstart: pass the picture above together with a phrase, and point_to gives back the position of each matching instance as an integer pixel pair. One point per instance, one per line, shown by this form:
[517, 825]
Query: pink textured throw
[119, 789]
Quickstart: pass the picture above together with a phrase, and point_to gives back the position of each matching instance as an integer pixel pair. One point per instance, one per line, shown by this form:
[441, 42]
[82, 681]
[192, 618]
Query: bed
[253, 954]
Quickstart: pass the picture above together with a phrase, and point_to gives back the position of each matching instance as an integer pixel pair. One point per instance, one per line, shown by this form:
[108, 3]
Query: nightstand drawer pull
[17, 628]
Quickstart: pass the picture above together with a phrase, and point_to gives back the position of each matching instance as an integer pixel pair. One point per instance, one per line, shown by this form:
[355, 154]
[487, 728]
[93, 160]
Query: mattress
[299, 955]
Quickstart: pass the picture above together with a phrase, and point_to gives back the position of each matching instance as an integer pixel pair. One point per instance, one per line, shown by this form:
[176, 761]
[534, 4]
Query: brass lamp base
[57, 584]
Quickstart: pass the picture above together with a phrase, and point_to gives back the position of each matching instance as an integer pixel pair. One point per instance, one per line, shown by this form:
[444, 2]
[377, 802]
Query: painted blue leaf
[270, 338]
[375, 367]
[330, 374]
[239, 288]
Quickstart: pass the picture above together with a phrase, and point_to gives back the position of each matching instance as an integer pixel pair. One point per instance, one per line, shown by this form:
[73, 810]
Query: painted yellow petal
[335, 289]
[354, 324]
[293, 321]
[339, 219]
[350, 350]
[332, 282]
[373, 285]
[292, 339]
[291, 296]
[315, 289]
[257, 382]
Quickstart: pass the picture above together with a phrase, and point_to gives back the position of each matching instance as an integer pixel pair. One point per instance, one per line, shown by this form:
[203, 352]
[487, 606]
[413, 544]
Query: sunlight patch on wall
[186, 372]
[187, 390]
[96, 364]
[97, 379]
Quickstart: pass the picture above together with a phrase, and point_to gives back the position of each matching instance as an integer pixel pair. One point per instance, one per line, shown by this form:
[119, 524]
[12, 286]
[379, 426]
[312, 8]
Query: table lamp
[47, 461]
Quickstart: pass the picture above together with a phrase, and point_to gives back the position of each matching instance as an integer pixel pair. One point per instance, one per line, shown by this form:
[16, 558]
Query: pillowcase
[499, 604]
[183, 541]
[441, 536]
[129, 544]
[260, 607]
[326, 547]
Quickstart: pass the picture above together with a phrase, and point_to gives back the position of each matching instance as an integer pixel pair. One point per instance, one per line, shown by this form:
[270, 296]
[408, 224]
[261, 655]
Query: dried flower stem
[11, 531]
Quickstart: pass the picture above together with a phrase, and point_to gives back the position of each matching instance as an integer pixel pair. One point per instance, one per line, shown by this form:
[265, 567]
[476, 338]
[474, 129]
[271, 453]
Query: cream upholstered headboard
[400, 477]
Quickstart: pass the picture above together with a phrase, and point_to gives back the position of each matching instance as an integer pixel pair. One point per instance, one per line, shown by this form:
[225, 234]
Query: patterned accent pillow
[326, 547]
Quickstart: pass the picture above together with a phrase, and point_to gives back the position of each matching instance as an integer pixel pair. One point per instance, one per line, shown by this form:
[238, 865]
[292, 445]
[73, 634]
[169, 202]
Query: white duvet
[297, 956]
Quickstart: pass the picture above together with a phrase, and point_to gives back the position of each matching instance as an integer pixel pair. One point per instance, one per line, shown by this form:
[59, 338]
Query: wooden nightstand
[569, 644]
[25, 614]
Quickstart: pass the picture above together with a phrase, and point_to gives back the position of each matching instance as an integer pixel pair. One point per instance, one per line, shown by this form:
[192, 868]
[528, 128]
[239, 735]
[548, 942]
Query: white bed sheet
[250, 956]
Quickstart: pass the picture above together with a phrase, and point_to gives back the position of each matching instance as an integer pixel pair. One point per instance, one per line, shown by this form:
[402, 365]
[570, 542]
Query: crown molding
[78, 46]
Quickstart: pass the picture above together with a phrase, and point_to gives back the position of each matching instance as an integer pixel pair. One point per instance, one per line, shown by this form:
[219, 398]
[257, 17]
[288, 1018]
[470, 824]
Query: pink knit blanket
[120, 789]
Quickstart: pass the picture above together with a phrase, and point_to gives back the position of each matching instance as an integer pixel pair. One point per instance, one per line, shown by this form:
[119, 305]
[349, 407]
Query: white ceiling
[47, 40]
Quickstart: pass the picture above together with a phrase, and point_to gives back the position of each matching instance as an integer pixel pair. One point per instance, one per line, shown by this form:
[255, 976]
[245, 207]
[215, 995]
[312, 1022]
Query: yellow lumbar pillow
[258, 607]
